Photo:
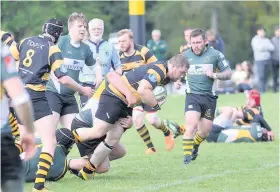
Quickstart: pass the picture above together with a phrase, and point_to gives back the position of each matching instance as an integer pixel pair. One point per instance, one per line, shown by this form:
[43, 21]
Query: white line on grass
[157, 187]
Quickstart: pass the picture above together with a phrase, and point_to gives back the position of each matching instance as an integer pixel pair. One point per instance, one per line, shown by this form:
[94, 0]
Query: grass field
[244, 167]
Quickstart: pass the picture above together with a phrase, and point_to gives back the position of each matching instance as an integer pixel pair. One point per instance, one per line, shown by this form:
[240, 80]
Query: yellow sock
[197, 140]
[188, 146]
[145, 135]
[45, 161]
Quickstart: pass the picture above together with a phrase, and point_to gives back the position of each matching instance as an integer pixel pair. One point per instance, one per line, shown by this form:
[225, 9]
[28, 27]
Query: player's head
[53, 28]
[65, 138]
[253, 98]
[187, 34]
[77, 24]
[125, 38]
[177, 67]
[198, 41]
[96, 29]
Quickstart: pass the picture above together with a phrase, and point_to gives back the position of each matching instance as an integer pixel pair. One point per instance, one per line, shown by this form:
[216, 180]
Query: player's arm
[224, 69]
[148, 55]
[56, 63]
[116, 62]
[153, 77]
[116, 80]
[13, 46]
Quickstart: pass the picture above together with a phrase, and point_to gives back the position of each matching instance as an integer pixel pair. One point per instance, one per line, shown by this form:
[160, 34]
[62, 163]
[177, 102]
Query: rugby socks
[45, 161]
[164, 129]
[102, 151]
[145, 135]
[197, 140]
[89, 168]
[14, 125]
[77, 138]
[188, 146]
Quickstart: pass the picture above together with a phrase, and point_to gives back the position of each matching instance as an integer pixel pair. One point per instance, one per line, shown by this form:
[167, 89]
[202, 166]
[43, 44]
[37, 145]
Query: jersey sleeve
[155, 75]
[249, 113]
[116, 62]
[148, 55]
[56, 61]
[222, 62]
[90, 61]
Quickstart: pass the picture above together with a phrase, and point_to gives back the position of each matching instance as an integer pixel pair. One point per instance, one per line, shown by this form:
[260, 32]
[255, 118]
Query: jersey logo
[153, 77]
[199, 69]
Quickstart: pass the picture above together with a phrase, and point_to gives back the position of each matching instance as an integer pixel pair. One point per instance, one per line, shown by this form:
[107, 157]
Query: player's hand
[87, 91]
[126, 122]
[131, 99]
[270, 136]
[27, 141]
[210, 73]
[178, 84]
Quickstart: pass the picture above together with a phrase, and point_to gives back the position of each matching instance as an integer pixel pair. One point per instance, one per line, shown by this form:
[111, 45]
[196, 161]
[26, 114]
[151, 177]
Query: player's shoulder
[64, 38]
[158, 66]
[214, 51]
[141, 48]
[85, 46]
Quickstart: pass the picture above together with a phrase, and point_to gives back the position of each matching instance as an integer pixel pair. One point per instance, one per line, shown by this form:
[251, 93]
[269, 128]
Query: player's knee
[138, 118]
[103, 168]
[153, 119]
[121, 152]
[228, 112]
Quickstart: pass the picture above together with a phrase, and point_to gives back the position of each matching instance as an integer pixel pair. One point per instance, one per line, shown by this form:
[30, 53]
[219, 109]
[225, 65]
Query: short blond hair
[179, 61]
[125, 31]
[77, 16]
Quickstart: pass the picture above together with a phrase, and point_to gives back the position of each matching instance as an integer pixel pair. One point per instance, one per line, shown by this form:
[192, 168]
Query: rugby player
[39, 57]
[112, 103]
[133, 56]
[206, 65]
[76, 54]
[242, 124]
[102, 51]
[187, 45]
[11, 165]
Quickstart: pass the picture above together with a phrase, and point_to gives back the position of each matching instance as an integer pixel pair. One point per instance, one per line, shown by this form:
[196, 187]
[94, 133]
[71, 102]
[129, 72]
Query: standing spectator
[262, 47]
[102, 51]
[215, 41]
[275, 59]
[240, 78]
[157, 46]
[187, 44]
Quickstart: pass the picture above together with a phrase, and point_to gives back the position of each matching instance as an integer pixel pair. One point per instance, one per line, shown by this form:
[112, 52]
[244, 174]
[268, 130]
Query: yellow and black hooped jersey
[248, 115]
[154, 73]
[183, 48]
[141, 56]
[37, 57]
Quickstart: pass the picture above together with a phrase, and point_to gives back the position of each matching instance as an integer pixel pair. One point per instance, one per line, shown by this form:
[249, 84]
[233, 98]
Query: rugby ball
[160, 93]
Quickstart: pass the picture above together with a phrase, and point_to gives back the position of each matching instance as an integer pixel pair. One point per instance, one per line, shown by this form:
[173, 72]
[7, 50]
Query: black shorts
[40, 104]
[204, 104]
[62, 104]
[86, 148]
[11, 164]
[112, 108]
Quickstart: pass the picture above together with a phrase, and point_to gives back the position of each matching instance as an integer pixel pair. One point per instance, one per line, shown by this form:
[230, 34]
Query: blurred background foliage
[235, 21]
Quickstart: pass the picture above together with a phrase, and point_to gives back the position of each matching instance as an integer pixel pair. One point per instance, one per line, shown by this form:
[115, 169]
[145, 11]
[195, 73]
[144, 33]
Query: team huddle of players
[53, 68]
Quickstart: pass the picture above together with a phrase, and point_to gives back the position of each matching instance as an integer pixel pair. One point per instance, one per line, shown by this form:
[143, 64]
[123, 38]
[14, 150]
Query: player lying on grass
[242, 124]
[138, 83]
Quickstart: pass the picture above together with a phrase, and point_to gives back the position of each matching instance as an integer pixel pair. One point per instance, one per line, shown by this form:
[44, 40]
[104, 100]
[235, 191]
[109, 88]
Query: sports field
[244, 167]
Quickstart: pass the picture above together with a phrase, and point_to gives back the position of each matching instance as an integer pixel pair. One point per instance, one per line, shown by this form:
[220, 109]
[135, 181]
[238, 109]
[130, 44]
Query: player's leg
[206, 122]
[118, 152]
[155, 121]
[138, 118]
[55, 103]
[107, 114]
[46, 130]
[11, 165]
[192, 117]
[69, 111]
[102, 151]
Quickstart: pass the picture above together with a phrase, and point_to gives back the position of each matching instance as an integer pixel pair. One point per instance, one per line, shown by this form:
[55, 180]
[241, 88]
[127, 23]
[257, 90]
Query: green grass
[246, 167]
